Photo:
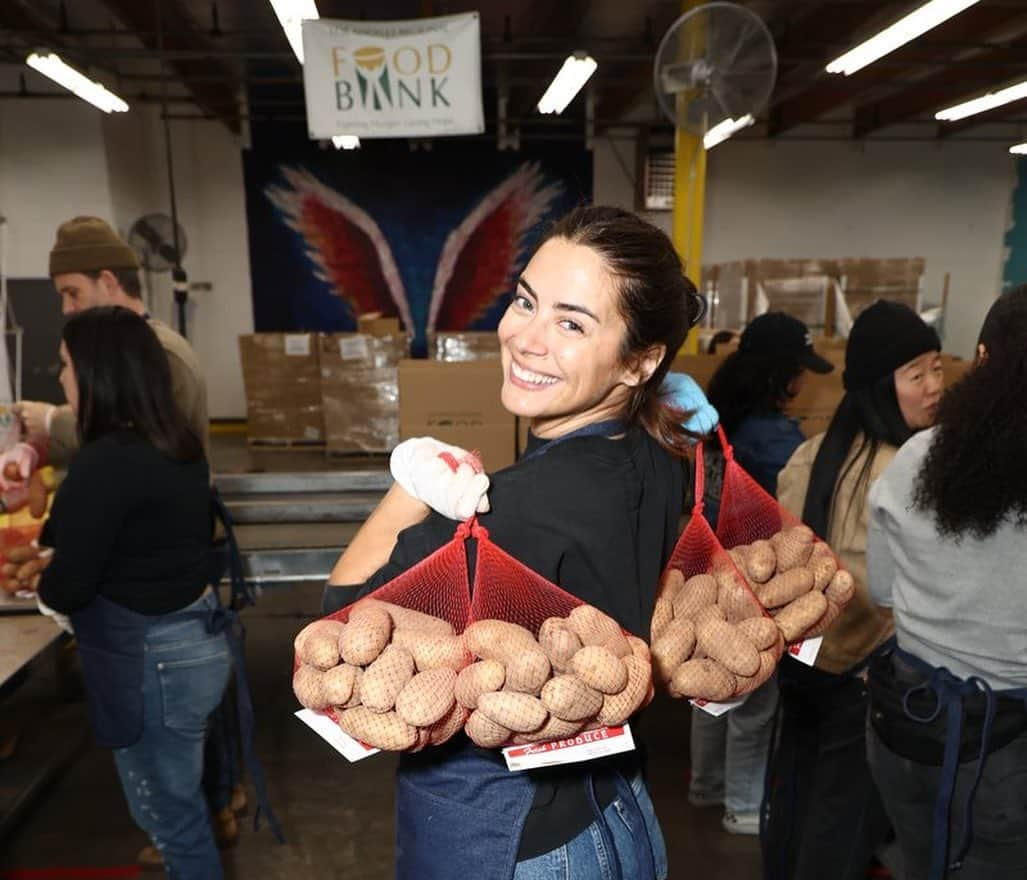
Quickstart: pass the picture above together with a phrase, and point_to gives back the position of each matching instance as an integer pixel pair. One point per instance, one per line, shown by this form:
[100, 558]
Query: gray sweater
[960, 603]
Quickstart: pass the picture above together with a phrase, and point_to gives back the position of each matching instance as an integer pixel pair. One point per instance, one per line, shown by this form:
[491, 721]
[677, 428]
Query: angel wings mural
[478, 263]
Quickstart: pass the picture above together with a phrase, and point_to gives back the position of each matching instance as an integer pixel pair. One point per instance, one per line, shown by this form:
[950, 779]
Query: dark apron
[926, 714]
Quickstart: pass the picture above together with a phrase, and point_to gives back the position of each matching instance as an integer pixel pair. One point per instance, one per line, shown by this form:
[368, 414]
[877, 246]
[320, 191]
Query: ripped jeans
[184, 678]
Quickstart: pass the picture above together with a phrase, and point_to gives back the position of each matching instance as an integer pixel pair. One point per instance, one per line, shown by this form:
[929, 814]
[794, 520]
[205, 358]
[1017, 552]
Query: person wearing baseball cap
[91, 265]
[750, 390]
[827, 820]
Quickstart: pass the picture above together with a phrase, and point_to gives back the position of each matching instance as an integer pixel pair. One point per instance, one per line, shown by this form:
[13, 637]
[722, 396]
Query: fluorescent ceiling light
[986, 102]
[918, 22]
[723, 130]
[567, 83]
[291, 15]
[50, 65]
[346, 142]
[1019, 149]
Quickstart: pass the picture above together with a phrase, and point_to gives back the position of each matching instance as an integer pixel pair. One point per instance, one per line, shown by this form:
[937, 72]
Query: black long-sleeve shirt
[131, 525]
[597, 517]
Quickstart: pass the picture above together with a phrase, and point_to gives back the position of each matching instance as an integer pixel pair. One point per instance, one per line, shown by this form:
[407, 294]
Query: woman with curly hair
[948, 552]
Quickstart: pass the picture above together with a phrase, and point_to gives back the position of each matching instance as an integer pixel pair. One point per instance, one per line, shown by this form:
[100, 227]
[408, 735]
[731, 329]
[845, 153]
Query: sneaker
[701, 799]
[741, 823]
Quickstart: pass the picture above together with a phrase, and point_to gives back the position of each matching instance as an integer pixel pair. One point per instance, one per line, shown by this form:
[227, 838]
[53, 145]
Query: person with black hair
[825, 815]
[594, 506]
[131, 530]
[750, 390]
[947, 552]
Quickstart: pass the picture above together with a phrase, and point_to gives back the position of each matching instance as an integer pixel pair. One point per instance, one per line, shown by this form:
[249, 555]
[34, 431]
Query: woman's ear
[645, 365]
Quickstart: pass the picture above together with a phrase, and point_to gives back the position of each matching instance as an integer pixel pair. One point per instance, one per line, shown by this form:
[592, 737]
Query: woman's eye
[522, 302]
[573, 326]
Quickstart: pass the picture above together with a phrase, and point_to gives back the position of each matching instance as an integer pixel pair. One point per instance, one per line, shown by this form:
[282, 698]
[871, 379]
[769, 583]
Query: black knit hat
[883, 338]
[781, 335]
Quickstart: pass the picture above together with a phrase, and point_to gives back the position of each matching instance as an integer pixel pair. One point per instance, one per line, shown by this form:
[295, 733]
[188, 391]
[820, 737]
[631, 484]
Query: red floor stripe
[114, 872]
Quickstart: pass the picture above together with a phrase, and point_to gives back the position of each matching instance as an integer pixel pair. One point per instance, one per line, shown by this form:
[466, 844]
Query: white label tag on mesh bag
[716, 709]
[806, 651]
[584, 746]
[351, 749]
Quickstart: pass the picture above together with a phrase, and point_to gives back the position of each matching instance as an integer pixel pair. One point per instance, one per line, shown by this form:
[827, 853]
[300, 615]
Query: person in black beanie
[825, 814]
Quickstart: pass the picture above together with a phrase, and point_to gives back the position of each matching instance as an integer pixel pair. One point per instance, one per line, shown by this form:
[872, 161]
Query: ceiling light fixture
[567, 83]
[1019, 149]
[984, 103]
[50, 65]
[723, 130]
[917, 23]
[346, 142]
[291, 15]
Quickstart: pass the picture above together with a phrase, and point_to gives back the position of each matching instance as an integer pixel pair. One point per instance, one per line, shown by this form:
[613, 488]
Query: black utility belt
[921, 740]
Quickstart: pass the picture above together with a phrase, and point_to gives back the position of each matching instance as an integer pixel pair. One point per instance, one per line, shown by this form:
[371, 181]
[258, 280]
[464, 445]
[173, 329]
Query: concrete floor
[337, 816]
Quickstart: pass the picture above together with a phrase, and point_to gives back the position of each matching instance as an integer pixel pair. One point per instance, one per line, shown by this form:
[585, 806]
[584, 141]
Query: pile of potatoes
[711, 639]
[581, 672]
[388, 675]
[796, 577]
[22, 567]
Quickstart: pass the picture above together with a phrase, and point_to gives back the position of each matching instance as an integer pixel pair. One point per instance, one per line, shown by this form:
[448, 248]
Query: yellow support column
[690, 189]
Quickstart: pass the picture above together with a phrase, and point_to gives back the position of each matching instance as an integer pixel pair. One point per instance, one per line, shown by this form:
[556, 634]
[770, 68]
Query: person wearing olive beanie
[826, 818]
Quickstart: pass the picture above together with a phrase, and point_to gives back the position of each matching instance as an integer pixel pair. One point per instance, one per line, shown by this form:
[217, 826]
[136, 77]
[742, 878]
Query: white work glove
[23, 459]
[61, 620]
[36, 418]
[447, 478]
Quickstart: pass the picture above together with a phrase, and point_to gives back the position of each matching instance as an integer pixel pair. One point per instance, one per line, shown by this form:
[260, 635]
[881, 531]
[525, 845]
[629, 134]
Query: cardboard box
[457, 403]
[283, 388]
[464, 346]
[360, 390]
[375, 325]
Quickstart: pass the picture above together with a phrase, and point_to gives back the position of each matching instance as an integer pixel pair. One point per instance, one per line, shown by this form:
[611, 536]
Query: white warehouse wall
[947, 202]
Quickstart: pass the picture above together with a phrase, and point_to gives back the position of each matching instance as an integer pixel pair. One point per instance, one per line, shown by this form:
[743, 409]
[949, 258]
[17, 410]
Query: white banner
[382, 79]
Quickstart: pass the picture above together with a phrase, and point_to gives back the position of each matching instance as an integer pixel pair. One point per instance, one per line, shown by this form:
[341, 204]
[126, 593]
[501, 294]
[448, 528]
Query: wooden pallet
[283, 444]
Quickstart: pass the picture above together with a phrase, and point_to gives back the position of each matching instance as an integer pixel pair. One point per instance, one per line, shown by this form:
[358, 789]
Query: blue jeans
[587, 856]
[185, 674]
[729, 752]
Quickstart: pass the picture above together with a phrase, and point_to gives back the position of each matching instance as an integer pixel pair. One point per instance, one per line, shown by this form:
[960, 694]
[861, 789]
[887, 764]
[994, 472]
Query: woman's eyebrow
[522, 281]
[571, 307]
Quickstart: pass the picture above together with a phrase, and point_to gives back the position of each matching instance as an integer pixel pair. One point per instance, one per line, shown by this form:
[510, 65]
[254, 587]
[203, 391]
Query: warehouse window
[659, 181]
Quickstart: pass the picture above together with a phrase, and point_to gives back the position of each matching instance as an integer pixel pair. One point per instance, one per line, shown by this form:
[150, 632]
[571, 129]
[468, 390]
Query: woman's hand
[447, 478]
[682, 392]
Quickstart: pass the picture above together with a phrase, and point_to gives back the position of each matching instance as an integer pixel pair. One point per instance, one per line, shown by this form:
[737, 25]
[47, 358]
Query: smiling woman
[593, 506]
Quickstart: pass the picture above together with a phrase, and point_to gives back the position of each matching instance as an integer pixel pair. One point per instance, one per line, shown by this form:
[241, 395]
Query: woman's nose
[531, 337]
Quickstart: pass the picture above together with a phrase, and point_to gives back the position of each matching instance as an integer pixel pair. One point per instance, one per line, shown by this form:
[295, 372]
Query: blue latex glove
[682, 392]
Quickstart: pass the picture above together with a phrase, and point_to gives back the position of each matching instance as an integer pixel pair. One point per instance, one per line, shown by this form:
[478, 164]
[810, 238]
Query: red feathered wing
[482, 257]
[344, 243]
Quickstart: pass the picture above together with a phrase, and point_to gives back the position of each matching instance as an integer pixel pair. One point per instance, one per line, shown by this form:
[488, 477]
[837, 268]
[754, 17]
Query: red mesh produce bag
[711, 637]
[385, 668]
[793, 573]
[550, 665]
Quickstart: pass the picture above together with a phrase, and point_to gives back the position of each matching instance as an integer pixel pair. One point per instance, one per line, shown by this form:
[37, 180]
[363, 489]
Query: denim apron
[460, 813]
[942, 720]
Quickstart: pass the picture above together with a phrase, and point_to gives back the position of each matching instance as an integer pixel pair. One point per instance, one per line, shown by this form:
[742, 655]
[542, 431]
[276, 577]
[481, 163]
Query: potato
[28, 570]
[427, 697]
[432, 650]
[12, 473]
[703, 679]
[380, 730]
[761, 631]
[825, 621]
[673, 648]
[639, 648]
[554, 728]
[783, 588]
[527, 671]
[448, 726]
[559, 642]
[798, 616]
[734, 597]
[520, 713]
[410, 619]
[670, 584]
[385, 678]
[479, 678]
[618, 708]
[338, 683]
[793, 547]
[663, 614]
[841, 588]
[739, 556]
[570, 699]
[760, 562]
[366, 635]
[38, 495]
[699, 591]
[354, 699]
[600, 669]
[498, 640]
[9, 568]
[317, 644]
[822, 565]
[747, 684]
[485, 732]
[20, 554]
[592, 626]
[723, 642]
[308, 685]
[617, 645]
[710, 612]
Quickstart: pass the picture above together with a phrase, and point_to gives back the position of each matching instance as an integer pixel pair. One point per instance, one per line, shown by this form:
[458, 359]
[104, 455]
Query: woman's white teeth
[529, 376]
